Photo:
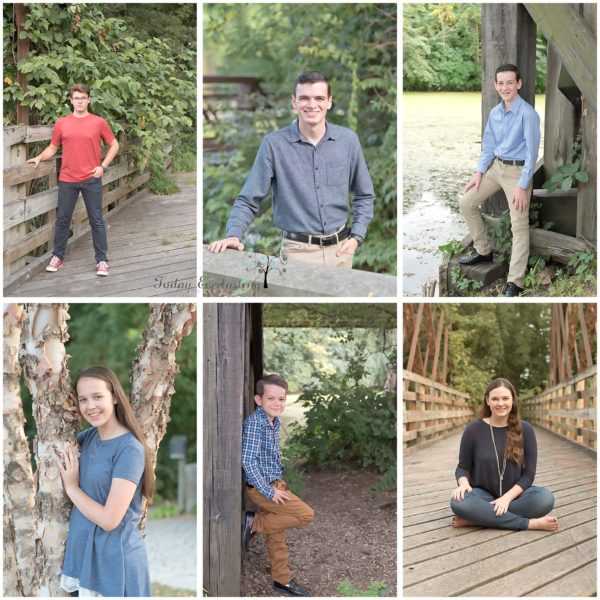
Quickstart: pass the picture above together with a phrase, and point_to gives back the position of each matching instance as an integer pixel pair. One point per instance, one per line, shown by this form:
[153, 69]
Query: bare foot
[546, 523]
[460, 522]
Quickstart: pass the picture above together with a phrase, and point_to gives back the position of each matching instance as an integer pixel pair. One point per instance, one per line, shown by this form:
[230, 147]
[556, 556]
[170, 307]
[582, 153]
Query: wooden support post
[415, 338]
[575, 41]
[232, 361]
[559, 119]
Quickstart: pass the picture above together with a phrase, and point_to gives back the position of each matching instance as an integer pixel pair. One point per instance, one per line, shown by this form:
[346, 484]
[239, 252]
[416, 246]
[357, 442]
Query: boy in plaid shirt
[263, 473]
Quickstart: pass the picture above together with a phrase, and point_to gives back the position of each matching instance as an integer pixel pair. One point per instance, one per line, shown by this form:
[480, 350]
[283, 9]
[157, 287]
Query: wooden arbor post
[508, 36]
[232, 364]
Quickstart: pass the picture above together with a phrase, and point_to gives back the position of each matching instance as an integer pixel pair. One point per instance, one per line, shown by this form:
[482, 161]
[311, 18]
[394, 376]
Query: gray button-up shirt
[310, 183]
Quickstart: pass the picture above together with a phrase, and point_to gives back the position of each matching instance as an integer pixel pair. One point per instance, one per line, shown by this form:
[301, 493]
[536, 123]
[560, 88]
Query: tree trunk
[154, 371]
[44, 361]
[18, 518]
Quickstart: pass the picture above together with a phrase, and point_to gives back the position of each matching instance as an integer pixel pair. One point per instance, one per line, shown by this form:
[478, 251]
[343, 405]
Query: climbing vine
[138, 85]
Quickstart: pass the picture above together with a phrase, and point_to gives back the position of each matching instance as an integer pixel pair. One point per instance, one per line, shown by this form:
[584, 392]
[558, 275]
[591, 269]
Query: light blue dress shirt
[513, 134]
[310, 184]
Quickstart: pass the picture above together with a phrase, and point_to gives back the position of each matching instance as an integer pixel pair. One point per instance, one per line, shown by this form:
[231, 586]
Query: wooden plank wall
[29, 219]
[431, 409]
[568, 409]
[232, 363]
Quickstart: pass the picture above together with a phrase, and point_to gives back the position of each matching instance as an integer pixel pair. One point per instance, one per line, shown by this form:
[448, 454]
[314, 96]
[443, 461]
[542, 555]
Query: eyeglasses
[80, 99]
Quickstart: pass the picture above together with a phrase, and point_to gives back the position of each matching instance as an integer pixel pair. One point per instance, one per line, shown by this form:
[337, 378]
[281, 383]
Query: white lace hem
[71, 584]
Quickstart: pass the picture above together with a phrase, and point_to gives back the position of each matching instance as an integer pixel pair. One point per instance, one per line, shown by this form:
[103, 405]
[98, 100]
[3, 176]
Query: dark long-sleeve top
[477, 460]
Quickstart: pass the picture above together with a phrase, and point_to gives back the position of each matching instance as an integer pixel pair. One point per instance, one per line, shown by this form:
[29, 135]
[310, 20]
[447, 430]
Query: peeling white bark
[44, 361]
[18, 491]
[154, 370]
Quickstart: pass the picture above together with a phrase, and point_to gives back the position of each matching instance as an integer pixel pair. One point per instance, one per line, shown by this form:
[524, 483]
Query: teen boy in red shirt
[80, 135]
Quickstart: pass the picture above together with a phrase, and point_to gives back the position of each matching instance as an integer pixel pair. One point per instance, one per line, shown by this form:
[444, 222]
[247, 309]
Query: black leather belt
[514, 163]
[319, 240]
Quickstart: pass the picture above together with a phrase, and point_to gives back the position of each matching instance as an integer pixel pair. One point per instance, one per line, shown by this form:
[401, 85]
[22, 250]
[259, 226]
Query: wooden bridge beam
[574, 40]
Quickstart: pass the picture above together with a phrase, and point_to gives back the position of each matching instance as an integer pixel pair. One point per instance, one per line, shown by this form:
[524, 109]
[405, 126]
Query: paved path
[151, 250]
[171, 545]
[472, 561]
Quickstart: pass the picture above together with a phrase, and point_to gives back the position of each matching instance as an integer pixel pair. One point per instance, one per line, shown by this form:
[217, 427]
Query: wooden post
[559, 120]
[508, 34]
[232, 359]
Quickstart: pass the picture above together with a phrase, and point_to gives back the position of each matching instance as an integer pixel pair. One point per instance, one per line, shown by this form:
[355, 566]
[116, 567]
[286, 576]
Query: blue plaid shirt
[261, 458]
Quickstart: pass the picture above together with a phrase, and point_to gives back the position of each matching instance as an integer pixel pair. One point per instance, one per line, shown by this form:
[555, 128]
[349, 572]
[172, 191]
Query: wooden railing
[234, 273]
[29, 219]
[431, 409]
[568, 409]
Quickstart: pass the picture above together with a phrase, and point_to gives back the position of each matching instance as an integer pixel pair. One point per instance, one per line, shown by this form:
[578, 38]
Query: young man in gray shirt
[311, 166]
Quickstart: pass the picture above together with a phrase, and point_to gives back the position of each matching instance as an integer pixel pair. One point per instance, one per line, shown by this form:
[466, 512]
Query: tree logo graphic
[262, 261]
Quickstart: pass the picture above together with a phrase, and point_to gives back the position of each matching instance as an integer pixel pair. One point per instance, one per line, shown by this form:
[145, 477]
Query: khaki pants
[272, 520]
[315, 255]
[499, 177]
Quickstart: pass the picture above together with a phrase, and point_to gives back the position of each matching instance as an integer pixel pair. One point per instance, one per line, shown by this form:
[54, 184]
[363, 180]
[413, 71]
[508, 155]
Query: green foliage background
[497, 340]
[341, 372]
[442, 48]
[109, 334]
[142, 81]
[355, 46]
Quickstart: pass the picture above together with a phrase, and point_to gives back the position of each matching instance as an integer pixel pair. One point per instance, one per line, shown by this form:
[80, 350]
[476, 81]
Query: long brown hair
[125, 416]
[514, 435]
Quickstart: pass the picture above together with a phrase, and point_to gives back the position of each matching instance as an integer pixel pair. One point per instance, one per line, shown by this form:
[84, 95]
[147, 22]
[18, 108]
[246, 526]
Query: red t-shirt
[80, 140]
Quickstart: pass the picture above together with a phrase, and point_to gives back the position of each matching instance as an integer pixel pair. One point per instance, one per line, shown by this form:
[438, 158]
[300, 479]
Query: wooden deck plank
[442, 561]
[152, 252]
[583, 579]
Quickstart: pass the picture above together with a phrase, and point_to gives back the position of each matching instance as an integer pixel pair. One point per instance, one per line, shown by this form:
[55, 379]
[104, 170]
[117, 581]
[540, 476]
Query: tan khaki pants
[272, 520]
[315, 255]
[499, 177]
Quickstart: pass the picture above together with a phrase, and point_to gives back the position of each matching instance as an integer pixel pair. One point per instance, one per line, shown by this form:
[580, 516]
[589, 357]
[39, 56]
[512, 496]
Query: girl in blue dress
[105, 553]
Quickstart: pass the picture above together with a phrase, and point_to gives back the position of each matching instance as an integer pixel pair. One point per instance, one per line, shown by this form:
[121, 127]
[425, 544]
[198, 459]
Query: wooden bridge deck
[442, 561]
[151, 251]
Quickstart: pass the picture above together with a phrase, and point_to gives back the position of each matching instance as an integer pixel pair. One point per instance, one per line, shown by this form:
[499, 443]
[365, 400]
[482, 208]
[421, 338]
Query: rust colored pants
[272, 520]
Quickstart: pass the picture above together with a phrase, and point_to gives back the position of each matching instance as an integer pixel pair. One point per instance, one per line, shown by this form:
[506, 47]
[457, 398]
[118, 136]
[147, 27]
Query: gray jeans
[68, 192]
[533, 503]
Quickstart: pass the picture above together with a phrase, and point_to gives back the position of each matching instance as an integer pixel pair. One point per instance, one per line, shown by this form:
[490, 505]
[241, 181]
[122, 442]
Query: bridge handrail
[431, 409]
[29, 219]
[567, 409]
[242, 273]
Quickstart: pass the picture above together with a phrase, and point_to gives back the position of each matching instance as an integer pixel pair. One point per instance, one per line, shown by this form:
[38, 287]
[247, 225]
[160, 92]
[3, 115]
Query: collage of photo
[368, 181]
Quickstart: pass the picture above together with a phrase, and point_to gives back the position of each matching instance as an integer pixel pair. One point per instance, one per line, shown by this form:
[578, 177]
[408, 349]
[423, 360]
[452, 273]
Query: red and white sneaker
[54, 264]
[102, 269]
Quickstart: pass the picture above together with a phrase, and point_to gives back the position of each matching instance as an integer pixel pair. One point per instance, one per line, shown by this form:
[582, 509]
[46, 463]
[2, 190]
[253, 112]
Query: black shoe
[247, 521]
[512, 289]
[292, 588]
[475, 258]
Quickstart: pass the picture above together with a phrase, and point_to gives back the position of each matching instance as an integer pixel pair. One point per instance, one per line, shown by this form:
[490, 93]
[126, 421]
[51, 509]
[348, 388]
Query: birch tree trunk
[18, 517]
[154, 370]
[44, 361]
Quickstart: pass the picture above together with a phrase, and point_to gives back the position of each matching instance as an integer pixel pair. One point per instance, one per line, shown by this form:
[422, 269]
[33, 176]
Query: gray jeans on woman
[68, 192]
[533, 503]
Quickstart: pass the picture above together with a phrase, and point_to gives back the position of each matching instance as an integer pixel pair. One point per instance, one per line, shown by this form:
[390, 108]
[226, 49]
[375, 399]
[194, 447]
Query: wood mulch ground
[353, 537]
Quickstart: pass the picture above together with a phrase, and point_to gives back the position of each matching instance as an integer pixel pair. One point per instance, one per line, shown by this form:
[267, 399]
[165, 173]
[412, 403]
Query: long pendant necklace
[97, 446]
[500, 473]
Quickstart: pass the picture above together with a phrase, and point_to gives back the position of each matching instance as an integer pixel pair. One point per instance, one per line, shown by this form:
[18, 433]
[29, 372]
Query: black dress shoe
[512, 289]
[293, 588]
[247, 521]
[475, 258]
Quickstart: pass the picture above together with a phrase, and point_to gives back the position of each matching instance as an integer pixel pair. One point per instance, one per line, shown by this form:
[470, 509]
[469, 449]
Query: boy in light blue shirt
[509, 150]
